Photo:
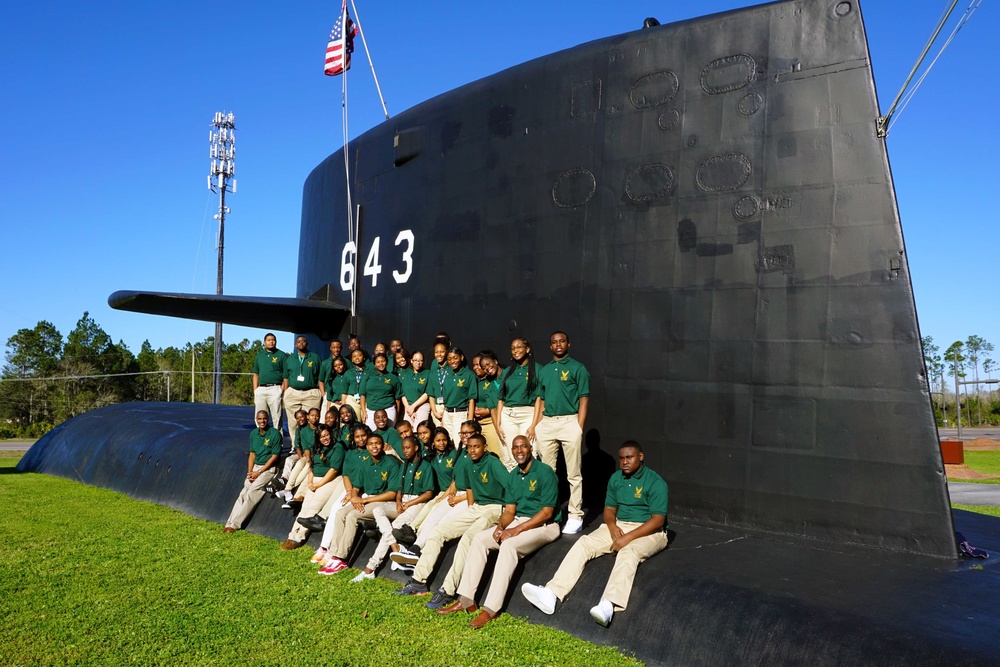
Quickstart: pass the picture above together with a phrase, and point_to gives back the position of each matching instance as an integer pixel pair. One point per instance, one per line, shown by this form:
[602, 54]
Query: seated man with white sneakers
[634, 528]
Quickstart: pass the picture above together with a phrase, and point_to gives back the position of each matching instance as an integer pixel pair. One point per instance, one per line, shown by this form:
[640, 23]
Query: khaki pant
[295, 400]
[563, 431]
[327, 404]
[269, 400]
[441, 512]
[427, 508]
[466, 526]
[335, 503]
[386, 517]
[515, 421]
[354, 403]
[313, 503]
[422, 413]
[251, 495]
[298, 475]
[346, 528]
[510, 552]
[598, 543]
[453, 424]
[290, 461]
[494, 445]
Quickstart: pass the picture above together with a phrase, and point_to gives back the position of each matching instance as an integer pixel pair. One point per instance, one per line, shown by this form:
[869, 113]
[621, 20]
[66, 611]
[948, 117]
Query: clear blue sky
[106, 108]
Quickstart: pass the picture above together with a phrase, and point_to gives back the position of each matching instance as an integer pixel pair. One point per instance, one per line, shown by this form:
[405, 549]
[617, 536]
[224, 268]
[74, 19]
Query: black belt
[273, 384]
[462, 409]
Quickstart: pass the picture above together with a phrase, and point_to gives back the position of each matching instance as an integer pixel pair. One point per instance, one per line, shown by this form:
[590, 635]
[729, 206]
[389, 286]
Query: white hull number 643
[372, 266]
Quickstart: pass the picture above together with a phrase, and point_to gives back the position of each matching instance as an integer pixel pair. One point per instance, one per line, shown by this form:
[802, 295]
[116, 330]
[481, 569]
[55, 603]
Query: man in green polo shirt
[300, 383]
[484, 479]
[528, 523]
[268, 372]
[265, 447]
[326, 377]
[635, 524]
[560, 412]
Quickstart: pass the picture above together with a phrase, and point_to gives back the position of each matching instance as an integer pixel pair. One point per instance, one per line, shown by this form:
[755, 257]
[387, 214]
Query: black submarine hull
[718, 595]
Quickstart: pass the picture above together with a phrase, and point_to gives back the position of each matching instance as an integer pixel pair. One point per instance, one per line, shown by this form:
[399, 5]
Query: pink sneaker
[333, 567]
[320, 555]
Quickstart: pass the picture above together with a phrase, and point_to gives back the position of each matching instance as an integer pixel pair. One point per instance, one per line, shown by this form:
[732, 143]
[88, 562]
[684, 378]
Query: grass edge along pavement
[986, 462]
[91, 576]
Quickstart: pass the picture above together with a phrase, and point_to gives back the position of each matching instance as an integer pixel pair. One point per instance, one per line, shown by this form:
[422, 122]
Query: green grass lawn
[986, 462]
[91, 577]
[979, 509]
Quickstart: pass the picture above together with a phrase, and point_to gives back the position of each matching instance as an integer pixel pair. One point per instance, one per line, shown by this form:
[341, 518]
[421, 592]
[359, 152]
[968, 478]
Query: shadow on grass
[12, 471]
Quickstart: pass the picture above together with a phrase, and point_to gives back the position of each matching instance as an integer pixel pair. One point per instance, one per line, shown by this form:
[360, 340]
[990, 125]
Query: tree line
[47, 378]
[964, 359]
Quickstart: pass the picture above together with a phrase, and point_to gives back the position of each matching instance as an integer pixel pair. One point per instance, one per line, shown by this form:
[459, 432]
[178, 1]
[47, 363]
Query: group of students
[421, 457]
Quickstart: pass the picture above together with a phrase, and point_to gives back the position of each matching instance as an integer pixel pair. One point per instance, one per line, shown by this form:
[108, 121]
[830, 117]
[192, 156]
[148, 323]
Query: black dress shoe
[370, 528]
[315, 523]
[404, 535]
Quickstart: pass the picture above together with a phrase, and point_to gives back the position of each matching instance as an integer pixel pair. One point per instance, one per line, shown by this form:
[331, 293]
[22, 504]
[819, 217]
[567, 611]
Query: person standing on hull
[300, 386]
[413, 380]
[517, 392]
[437, 374]
[355, 376]
[560, 412]
[379, 390]
[326, 377]
[486, 408]
[268, 373]
[527, 524]
[265, 448]
[459, 393]
[634, 528]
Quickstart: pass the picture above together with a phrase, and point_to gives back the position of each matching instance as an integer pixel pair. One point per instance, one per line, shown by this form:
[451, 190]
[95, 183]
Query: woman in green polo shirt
[459, 392]
[355, 374]
[436, 375]
[380, 390]
[414, 378]
[323, 482]
[517, 393]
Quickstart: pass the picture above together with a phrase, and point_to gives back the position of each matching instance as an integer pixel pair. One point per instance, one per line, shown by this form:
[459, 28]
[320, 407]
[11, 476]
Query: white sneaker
[319, 555]
[541, 597]
[573, 526]
[408, 569]
[365, 577]
[603, 612]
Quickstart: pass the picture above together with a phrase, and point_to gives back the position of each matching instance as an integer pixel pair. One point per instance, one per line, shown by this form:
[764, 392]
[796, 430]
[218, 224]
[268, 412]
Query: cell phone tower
[222, 141]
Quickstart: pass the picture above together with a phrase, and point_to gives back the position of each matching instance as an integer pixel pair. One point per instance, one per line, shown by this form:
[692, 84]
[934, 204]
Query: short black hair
[630, 444]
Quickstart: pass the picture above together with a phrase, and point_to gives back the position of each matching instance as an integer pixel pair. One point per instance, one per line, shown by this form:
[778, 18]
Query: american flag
[338, 51]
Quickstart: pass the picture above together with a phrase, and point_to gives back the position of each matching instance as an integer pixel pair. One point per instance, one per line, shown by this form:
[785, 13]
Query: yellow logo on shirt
[564, 375]
[461, 383]
[385, 475]
[421, 380]
[417, 475]
[531, 484]
[274, 360]
[309, 363]
[638, 492]
[484, 478]
[448, 463]
[364, 458]
[267, 441]
[387, 381]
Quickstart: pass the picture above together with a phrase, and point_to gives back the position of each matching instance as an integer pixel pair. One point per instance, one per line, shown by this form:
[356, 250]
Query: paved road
[992, 432]
[965, 493]
[15, 446]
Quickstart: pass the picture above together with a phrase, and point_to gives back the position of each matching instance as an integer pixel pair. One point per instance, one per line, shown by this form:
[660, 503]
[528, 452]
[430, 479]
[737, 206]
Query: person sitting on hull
[527, 524]
[295, 490]
[380, 390]
[322, 482]
[390, 436]
[265, 448]
[634, 528]
[484, 478]
[560, 413]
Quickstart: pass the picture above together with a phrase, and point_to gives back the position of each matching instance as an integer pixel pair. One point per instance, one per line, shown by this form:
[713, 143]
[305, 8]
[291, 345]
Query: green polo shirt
[489, 394]
[339, 385]
[435, 379]
[307, 367]
[417, 477]
[265, 445]
[486, 478]
[391, 437]
[638, 497]
[459, 387]
[307, 438]
[532, 490]
[380, 390]
[444, 467]
[328, 376]
[414, 385]
[355, 378]
[515, 392]
[355, 462]
[379, 476]
[561, 383]
[325, 458]
[269, 366]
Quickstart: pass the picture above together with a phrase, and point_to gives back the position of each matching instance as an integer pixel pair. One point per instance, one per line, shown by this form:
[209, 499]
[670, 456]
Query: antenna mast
[222, 141]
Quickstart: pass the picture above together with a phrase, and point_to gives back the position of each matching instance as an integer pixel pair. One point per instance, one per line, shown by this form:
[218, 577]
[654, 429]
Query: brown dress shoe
[288, 545]
[481, 620]
[229, 529]
[456, 606]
